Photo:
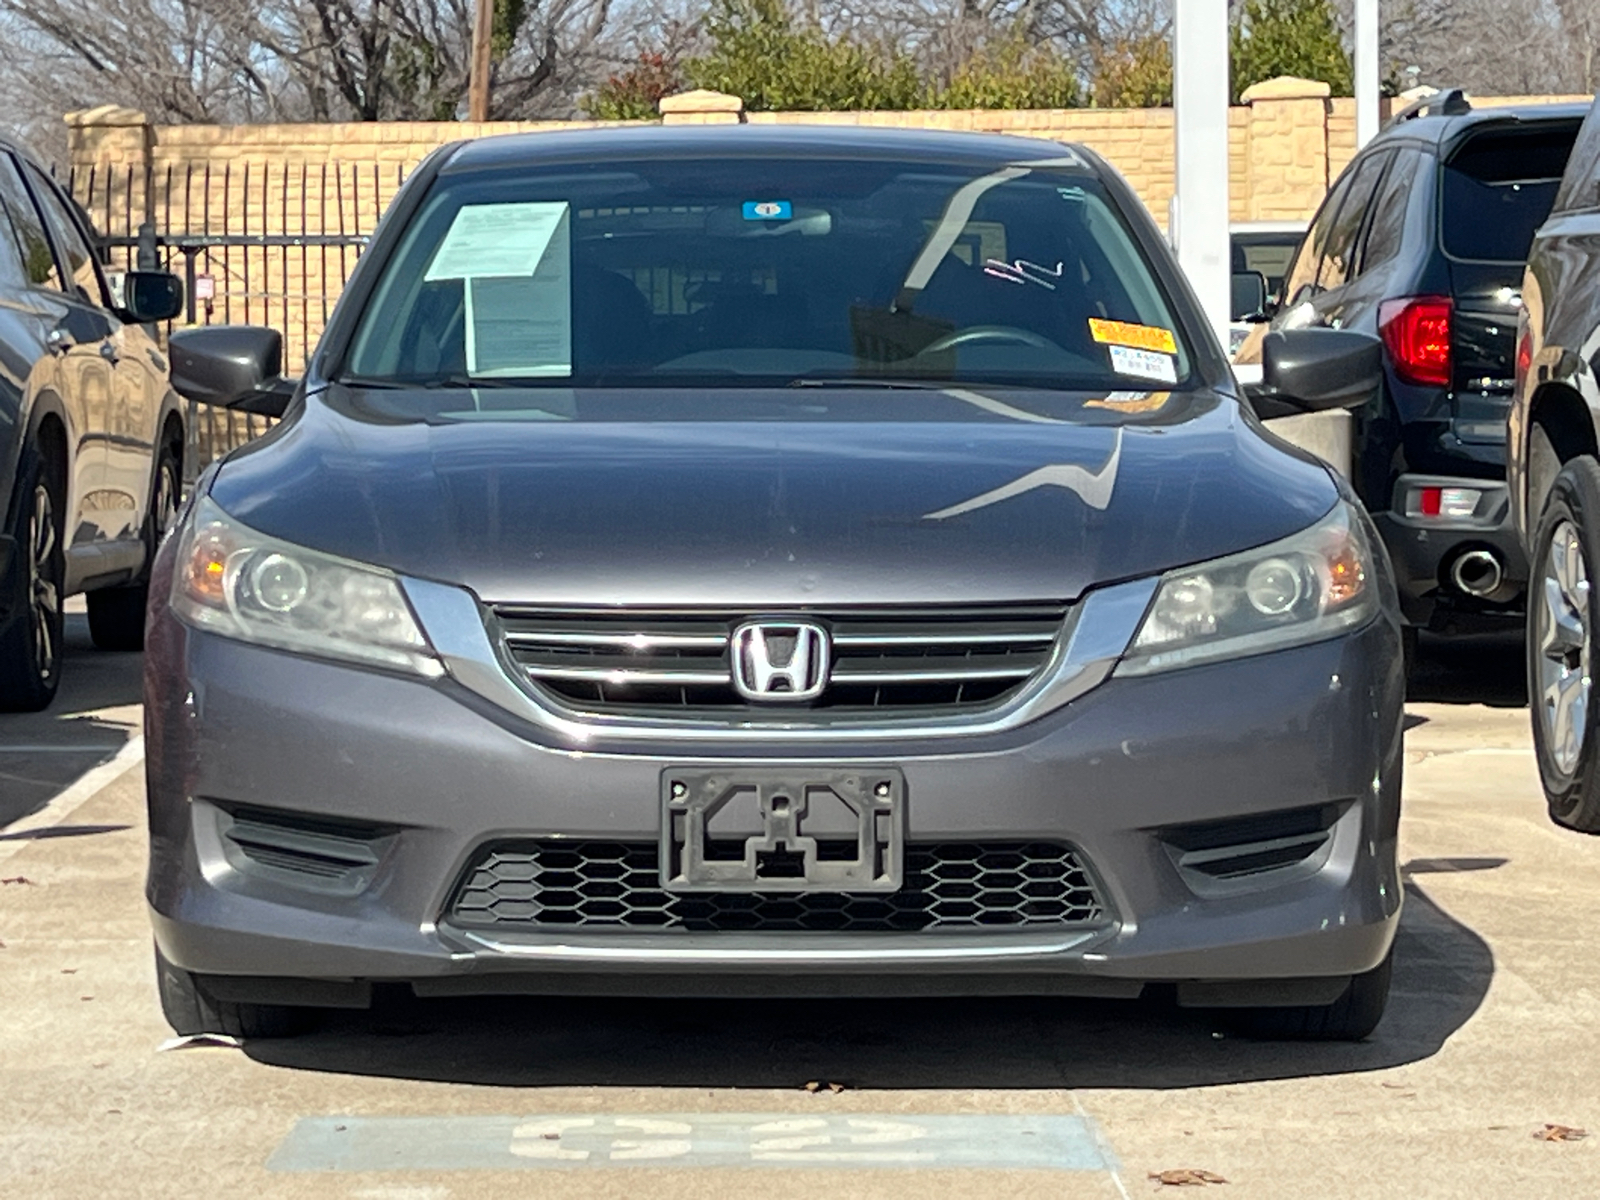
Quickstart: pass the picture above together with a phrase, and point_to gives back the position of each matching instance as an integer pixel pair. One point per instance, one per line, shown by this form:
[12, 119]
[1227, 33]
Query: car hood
[854, 497]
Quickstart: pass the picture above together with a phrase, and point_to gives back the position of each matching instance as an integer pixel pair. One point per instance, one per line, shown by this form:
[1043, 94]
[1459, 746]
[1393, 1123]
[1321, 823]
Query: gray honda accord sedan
[759, 560]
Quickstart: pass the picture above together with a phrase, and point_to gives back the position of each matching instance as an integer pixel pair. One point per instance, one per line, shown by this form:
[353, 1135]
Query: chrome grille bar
[883, 661]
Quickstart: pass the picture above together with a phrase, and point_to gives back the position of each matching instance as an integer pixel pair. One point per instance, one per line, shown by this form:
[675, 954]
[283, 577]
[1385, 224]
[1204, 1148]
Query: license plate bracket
[782, 829]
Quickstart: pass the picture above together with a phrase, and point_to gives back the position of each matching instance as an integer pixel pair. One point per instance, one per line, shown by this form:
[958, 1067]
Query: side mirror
[1312, 370]
[234, 366]
[1249, 295]
[149, 296]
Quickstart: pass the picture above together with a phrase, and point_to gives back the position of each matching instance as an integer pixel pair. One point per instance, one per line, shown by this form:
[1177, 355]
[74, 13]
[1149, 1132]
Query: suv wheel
[1563, 614]
[30, 647]
[190, 1010]
[1350, 1018]
[116, 615]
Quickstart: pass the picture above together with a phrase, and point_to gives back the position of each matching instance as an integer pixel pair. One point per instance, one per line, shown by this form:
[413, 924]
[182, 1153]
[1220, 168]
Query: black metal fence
[255, 243]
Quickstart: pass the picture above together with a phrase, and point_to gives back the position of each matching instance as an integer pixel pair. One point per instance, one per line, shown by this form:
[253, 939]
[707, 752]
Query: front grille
[558, 884]
[638, 661]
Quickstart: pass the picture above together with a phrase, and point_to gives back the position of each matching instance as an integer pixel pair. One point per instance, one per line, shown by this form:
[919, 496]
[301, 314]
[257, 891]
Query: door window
[39, 264]
[1338, 256]
[69, 237]
[1389, 210]
[12, 273]
[1302, 280]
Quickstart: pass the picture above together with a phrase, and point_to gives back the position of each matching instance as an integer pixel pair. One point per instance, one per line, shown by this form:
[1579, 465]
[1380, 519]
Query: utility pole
[1366, 71]
[1200, 114]
[478, 90]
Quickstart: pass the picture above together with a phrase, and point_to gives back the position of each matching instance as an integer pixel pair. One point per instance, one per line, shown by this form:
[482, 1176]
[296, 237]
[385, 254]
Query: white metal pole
[1366, 71]
[1200, 110]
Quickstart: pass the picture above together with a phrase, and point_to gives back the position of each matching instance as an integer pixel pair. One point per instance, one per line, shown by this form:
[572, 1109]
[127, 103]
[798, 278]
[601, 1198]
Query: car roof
[759, 141]
[1435, 129]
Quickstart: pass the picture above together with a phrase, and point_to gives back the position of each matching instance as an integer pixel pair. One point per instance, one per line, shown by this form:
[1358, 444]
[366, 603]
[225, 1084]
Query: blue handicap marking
[571, 1140]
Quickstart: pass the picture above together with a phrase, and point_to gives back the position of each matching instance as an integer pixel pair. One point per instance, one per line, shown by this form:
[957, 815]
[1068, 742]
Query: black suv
[1422, 241]
[1553, 471]
[91, 434]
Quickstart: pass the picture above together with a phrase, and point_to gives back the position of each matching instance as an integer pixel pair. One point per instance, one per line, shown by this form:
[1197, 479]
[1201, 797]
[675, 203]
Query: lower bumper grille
[555, 883]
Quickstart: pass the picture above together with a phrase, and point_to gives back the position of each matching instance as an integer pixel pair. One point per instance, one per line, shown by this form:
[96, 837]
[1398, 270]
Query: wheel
[1350, 1018]
[1562, 618]
[116, 615]
[190, 1010]
[30, 646]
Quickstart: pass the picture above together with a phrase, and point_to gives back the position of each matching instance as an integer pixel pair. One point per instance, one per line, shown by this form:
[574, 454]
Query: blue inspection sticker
[768, 210]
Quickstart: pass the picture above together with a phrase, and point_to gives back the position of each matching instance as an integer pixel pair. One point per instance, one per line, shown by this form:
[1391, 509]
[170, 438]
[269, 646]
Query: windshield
[753, 272]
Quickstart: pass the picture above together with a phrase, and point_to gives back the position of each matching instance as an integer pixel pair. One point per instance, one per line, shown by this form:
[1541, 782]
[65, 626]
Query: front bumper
[443, 773]
[1423, 550]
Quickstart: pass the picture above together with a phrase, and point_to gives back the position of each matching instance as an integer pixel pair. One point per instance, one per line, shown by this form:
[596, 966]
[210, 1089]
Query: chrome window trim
[1096, 632]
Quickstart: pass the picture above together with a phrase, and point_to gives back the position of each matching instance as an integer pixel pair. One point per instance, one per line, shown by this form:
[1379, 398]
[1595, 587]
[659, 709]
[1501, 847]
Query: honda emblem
[780, 661]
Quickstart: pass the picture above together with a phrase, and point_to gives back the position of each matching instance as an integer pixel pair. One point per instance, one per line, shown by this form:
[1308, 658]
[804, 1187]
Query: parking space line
[580, 1141]
[74, 796]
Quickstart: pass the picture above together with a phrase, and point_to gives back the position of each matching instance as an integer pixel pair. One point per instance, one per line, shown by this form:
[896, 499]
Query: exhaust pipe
[1477, 573]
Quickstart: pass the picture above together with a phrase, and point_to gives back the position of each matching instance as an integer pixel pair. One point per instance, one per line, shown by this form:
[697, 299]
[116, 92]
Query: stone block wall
[1286, 143]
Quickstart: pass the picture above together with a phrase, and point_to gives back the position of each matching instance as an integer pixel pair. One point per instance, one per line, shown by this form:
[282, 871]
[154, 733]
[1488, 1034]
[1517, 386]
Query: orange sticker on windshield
[1140, 337]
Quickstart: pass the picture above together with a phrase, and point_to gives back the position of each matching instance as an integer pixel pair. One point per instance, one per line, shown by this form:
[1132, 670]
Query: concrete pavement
[1489, 1037]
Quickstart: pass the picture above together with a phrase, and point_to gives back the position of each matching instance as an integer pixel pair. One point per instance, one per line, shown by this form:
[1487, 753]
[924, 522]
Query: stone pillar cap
[701, 100]
[107, 114]
[1286, 87]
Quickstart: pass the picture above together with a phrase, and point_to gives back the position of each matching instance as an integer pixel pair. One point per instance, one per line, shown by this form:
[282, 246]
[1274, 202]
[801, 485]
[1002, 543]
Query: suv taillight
[1416, 330]
[1524, 354]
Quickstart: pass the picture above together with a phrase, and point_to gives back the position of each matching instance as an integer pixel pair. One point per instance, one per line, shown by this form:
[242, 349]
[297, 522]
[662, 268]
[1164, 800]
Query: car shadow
[45, 752]
[1442, 972]
[1470, 669]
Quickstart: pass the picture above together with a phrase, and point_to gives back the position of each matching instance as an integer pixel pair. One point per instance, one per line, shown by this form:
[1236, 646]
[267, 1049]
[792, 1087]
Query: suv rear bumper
[1424, 550]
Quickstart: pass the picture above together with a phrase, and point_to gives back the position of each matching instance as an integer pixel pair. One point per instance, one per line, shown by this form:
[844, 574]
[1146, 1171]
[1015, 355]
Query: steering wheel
[988, 333]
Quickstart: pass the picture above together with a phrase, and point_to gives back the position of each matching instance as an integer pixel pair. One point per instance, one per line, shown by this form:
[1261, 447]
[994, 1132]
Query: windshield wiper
[423, 385]
[859, 381]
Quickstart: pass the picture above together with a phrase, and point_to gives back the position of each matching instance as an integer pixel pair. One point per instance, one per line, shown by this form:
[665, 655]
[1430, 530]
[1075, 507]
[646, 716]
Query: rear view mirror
[149, 296]
[234, 366]
[1249, 295]
[1312, 370]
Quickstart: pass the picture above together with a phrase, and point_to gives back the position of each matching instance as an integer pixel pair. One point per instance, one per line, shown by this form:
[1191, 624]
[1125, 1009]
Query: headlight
[1309, 586]
[243, 584]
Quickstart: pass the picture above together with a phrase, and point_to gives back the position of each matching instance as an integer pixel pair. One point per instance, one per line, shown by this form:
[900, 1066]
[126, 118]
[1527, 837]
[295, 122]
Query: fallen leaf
[1560, 1133]
[836, 1088]
[812, 1085]
[69, 970]
[1186, 1177]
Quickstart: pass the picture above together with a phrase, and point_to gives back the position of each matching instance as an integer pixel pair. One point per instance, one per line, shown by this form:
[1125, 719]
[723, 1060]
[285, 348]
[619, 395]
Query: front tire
[1350, 1018]
[117, 615]
[1563, 614]
[190, 1010]
[31, 646]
